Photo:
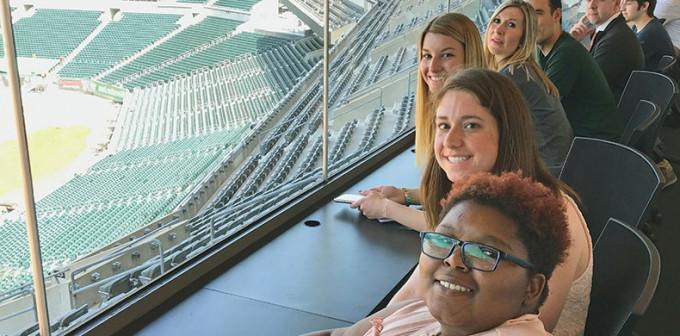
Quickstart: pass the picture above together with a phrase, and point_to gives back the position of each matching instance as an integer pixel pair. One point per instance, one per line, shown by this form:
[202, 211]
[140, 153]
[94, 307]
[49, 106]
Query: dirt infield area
[65, 128]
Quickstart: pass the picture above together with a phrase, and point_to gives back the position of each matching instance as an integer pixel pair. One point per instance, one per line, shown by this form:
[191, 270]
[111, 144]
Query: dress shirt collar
[604, 25]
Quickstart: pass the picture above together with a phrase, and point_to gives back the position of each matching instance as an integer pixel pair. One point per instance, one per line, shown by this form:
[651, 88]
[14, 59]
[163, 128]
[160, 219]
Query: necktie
[594, 38]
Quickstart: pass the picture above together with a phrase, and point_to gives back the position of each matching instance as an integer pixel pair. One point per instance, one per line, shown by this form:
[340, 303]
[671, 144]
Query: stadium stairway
[126, 61]
[81, 46]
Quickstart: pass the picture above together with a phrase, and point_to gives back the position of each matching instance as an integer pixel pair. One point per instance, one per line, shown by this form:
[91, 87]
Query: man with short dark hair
[615, 47]
[584, 92]
[653, 38]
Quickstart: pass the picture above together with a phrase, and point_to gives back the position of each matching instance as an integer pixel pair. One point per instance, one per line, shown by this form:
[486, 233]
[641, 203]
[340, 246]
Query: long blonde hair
[462, 29]
[525, 55]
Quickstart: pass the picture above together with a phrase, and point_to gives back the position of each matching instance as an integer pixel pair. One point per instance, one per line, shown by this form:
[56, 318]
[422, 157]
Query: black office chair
[666, 64]
[626, 267]
[641, 129]
[652, 86]
[612, 180]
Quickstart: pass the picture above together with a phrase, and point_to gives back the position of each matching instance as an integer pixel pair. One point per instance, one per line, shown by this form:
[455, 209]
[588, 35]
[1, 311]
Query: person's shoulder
[515, 71]
[654, 30]
[656, 24]
[620, 29]
[661, 38]
[390, 313]
[405, 308]
[520, 75]
[568, 46]
[525, 325]
[569, 202]
[620, 38]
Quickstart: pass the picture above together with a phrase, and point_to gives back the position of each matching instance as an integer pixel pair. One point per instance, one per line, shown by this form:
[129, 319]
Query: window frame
[151, 301]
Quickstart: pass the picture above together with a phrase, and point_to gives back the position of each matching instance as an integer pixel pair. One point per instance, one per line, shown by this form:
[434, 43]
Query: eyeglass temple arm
[518, 261]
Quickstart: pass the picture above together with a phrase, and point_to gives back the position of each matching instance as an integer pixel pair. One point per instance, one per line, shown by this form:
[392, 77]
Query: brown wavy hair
[517, 149]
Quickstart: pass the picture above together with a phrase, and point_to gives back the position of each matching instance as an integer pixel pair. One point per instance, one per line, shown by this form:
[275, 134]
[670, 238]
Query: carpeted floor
[663, 314]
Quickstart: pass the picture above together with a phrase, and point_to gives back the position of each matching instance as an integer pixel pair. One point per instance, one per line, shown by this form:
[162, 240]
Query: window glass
[156, 132]
[371, 98]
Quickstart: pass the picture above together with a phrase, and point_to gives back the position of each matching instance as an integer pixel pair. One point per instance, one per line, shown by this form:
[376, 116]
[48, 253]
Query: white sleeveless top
[572, 320]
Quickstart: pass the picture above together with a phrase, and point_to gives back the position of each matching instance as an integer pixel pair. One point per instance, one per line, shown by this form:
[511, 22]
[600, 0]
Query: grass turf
[50, 150]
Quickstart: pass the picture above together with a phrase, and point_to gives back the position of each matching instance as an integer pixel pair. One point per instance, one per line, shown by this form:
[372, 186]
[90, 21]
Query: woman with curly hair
[485, 269]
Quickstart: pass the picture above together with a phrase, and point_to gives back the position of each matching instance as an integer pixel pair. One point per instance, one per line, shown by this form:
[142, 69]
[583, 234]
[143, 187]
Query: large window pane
[167, 132]
[17, 301]
[158, 132]
[373, 79]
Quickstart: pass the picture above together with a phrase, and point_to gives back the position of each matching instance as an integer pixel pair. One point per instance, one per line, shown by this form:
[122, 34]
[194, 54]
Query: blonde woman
[449, 42]
[510, 47]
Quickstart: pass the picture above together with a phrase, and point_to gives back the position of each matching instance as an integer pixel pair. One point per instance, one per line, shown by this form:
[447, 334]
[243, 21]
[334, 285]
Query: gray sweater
[551, 126]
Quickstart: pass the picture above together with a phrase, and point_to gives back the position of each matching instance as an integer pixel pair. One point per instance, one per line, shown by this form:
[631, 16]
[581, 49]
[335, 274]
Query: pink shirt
[415, 319]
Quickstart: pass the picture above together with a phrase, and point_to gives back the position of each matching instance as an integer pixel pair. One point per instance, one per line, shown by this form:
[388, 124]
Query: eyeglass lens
[475, 256]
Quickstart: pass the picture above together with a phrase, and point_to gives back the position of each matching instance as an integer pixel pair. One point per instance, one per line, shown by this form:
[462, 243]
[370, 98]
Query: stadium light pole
[29, 201]
[324, 150]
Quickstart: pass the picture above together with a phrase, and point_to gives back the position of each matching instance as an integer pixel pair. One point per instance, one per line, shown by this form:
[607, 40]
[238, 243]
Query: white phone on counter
[348, 198]
[351, 198]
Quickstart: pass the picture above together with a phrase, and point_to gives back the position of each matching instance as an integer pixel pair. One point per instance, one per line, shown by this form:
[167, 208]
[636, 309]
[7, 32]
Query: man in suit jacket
[614, 46]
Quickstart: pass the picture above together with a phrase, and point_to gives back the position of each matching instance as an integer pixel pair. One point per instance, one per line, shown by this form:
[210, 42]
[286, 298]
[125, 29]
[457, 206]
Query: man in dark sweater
[614, 45]
[650, 32]
[584, 93]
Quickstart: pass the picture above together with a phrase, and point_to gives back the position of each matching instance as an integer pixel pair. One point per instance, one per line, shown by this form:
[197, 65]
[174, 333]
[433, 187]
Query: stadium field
[51, 150]
[64, 128]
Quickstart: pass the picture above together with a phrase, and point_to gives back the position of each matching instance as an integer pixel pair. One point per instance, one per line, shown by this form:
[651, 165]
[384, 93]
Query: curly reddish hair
[537, 210]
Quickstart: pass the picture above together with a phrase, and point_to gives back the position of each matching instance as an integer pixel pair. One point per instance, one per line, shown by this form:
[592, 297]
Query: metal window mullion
[29, 201]
[326, 35]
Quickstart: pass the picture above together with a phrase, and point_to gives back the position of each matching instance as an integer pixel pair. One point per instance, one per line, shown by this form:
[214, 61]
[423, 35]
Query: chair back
[669, 66]
[612, 180]
[666, 64]
[648, 85]
[640, 132]
[626, 267]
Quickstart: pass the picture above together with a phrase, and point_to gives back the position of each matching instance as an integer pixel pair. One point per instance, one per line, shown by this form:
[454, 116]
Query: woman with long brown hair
[482, 123]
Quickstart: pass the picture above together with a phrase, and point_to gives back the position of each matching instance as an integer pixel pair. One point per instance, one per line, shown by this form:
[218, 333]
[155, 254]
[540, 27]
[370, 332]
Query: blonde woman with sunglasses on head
[510, 46]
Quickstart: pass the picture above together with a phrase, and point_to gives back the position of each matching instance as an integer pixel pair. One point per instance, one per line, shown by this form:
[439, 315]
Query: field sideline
[51, 150]
[64, 128]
